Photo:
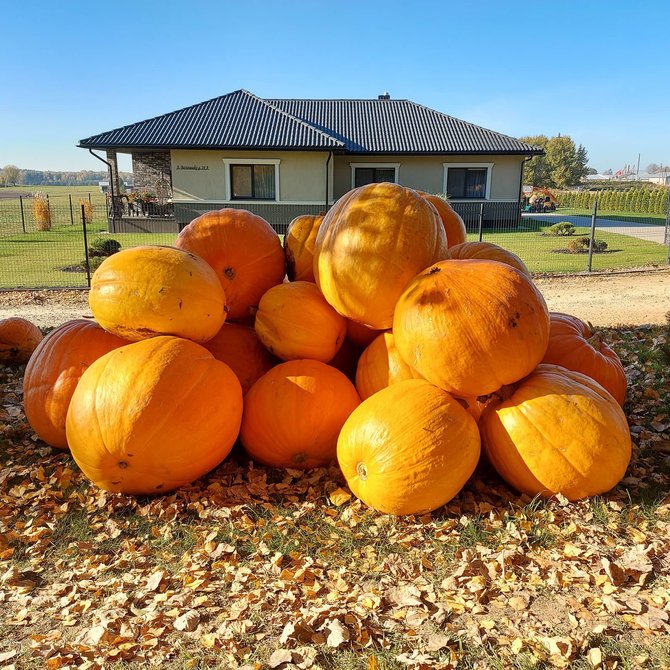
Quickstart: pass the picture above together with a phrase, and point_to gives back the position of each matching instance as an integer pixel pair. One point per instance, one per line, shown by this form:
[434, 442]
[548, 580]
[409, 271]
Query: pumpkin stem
[595, 340]
[362, 471]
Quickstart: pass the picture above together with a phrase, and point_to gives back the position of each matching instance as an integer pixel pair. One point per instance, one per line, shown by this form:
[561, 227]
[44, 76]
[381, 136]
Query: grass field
[628, 217]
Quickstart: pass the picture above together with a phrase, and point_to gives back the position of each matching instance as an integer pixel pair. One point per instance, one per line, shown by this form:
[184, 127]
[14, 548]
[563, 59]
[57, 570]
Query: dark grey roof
[240, 120]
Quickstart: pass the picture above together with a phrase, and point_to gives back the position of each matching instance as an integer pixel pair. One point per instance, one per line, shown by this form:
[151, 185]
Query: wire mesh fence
[56, 241]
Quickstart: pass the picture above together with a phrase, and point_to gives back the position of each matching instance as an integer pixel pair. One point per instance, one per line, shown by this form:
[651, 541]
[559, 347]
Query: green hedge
[636, 200]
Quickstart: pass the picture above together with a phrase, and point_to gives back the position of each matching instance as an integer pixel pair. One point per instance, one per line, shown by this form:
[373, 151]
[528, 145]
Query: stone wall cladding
[149, 167]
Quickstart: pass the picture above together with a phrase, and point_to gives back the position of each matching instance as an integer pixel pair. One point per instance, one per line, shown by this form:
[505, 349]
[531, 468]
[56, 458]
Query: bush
[103, 247]
[562, 228]
[88, 210]
[581, 246]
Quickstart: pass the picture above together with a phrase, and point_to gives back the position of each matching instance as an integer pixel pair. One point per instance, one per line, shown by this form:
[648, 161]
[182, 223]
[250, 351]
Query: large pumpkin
[54, 370]
[294, 413]
[453, 224]
[577, 346]
[380, 365]
[299, 247]
[558, 431]
[243, 249]
[371, 244]
[408, 449]
[18, 339]
[238, 346]
[471, 326]
[487, 251]
[295, 321]
[153, 290]
[153, 416]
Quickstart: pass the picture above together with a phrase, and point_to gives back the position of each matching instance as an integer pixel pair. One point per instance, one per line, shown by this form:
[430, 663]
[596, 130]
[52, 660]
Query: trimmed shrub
[103, 247]
[580, 245]
[562, 228]
[42, 211]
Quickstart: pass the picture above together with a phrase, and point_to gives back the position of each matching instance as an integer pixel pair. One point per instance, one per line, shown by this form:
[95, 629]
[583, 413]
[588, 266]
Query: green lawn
[628, 217]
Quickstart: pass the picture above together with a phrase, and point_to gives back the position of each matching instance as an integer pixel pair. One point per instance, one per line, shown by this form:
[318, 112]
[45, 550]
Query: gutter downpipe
[330, 155]
[111, 180]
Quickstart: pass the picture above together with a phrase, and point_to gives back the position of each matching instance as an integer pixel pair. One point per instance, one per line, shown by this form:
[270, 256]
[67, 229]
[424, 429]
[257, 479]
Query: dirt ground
[608, 299]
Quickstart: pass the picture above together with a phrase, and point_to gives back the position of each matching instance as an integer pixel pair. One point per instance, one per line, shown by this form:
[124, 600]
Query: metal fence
[53, 242]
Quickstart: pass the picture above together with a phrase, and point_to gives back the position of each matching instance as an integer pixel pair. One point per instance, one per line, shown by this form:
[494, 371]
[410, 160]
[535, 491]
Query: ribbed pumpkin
[577, 346]
[408, 449]
[380, 365]
[299, 247]
[18, 339]
[295, 321]
[153, 416]
[487, 251]
[243, 249]
[453, 224]
[153, 290]
[238, 347]
[471, 326]
[54, 370]
[371, 244]
[558, 431]
[294, 413]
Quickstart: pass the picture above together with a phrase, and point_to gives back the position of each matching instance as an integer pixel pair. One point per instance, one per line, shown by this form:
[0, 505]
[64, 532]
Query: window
[468, 181]
[252, 182]
[373, 173]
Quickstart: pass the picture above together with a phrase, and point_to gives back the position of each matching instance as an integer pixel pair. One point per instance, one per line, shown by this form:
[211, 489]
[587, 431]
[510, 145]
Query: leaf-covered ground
[257, 568]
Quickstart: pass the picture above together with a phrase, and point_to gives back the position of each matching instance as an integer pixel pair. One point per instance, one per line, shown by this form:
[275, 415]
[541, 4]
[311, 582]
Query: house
[283, 157]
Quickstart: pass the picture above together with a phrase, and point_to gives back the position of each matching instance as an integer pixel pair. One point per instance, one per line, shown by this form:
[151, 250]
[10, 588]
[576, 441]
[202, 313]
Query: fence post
[594, 217]
[69, 195]
[88, 265]
[23, 216]
[89, 198]
[481, 221]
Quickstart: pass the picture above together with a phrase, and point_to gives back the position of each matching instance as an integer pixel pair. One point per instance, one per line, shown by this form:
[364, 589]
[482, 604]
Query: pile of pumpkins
[376, 336]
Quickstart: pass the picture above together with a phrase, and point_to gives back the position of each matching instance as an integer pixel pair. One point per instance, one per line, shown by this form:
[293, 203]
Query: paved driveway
[644, 231]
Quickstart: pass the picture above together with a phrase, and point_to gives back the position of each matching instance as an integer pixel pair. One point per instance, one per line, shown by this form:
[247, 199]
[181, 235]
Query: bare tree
[10, 175]
[653, 168]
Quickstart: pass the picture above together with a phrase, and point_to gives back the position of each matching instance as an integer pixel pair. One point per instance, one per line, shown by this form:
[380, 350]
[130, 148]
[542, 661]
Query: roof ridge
[295, 118]
[385, 100]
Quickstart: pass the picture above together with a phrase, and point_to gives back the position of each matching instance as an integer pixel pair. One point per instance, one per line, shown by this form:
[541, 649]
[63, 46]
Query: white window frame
[395, 167]
[227, 162]
[489, 171]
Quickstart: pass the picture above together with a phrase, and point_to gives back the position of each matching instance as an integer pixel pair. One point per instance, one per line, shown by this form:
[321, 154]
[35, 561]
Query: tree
[10, 175]
[563, 165]
[535, 170]
[653, 168]
[591, 171]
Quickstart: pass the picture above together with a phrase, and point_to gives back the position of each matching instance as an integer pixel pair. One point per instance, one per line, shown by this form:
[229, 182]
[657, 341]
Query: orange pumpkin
[153, 416]
[18, 339]
[577, 346]
[243, 249]
[380, 365]
[299, 247]
[558, 431]
[295, 321]
[238, 347]
[453, 224]
[359, 334]
[371, 244]
[294, 413]
[471, 326]
[54, 370]
[408, 449]
[346, 359]
[487, 251]
[153, 290]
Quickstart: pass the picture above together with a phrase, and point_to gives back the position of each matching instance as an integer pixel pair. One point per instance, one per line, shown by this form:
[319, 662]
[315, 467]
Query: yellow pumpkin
[299, 247]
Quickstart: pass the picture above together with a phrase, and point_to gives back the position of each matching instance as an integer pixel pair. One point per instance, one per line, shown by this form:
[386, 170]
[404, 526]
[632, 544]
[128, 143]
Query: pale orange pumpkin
[146, 291]
[453, 224]
[557, 431]
[299, 247]
[153, 416]
[54, 370]
[294, 413]
[471, 326]
[238, 346]
[380, 365]
[408, 449]
[578, 346]
[243, 249]
[487, 251]
[18, 339]
[295, 321]
[371, 244]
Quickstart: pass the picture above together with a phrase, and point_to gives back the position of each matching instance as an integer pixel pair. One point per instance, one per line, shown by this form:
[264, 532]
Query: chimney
[384, 96]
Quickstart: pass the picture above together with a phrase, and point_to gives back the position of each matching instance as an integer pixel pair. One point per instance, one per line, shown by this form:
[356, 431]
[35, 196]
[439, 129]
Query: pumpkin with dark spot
[18, 339]
[299, 247]
[154, 415]
[294, 413]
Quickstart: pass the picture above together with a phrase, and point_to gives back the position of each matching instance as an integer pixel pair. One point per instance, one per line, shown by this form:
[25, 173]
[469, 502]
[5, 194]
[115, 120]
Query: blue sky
[595, 70]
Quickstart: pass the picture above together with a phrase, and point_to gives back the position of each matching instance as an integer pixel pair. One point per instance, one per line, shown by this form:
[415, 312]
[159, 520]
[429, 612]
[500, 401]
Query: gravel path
[607, 299]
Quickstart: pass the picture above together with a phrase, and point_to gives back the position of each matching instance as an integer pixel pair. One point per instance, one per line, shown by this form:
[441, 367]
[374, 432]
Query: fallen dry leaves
[254, 568]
